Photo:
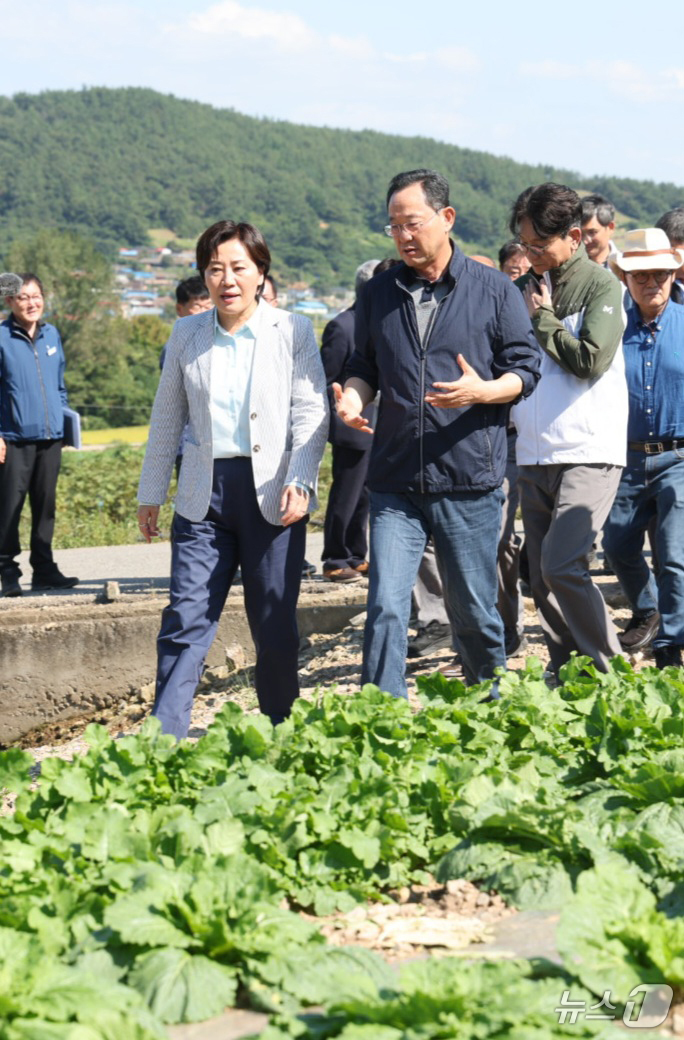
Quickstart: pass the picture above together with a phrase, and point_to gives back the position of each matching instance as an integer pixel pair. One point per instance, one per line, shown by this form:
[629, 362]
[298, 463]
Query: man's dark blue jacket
[416, 446]
[32, 391]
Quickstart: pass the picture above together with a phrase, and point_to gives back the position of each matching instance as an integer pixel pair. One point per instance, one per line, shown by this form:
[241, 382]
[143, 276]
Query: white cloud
[288, 31]
[419, 56]
[460, 59]
[621, 78]
[551, 70]
[358, 48]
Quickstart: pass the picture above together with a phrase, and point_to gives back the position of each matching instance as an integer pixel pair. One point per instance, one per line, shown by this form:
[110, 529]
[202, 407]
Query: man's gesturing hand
[469, 389]
[349, 406]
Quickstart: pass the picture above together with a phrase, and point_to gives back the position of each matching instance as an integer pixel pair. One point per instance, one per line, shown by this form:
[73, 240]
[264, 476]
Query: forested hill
[112, 163]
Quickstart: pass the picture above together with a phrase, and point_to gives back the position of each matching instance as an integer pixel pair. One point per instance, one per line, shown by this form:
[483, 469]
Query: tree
[78, 280]
[112, 364]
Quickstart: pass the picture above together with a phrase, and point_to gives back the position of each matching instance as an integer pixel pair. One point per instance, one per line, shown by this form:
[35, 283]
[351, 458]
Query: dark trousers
[204, 558]
[345, 537]
[30, 468]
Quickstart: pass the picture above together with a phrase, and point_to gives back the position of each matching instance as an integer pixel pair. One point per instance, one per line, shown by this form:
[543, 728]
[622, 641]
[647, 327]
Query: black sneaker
[433, 637]
[11, 587]
[53, 581]
[668, 657]
[514, 643]
[640, 632]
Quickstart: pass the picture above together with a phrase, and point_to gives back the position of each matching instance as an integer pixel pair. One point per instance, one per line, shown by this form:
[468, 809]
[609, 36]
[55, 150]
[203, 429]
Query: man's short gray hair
[597, 206]
[364, 273]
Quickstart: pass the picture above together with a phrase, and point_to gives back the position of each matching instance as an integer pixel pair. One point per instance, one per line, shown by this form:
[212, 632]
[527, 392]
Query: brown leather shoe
[362, 568]
[453, 669]
[342, 574]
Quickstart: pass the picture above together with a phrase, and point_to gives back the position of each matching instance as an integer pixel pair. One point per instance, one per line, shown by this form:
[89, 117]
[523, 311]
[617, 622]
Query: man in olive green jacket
[572, 433]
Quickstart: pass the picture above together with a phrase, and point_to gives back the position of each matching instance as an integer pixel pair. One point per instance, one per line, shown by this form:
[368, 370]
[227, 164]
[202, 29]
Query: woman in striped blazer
[246, 382]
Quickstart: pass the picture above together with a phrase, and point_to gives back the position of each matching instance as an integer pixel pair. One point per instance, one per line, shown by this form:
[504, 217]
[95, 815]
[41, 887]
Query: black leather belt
[654, 447]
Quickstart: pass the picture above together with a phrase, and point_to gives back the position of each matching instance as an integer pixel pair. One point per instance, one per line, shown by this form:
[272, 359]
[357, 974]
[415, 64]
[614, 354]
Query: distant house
[311, 307]
[139, 294]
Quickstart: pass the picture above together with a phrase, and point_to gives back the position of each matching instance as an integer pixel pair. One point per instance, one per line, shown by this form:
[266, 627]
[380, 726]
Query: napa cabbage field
[150, 882]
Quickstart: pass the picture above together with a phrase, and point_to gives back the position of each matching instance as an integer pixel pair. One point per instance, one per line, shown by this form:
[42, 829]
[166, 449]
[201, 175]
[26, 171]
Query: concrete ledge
[67, 657]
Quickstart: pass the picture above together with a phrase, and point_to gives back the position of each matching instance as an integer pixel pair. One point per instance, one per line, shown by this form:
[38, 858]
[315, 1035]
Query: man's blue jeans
[652, 486]
[465, 529]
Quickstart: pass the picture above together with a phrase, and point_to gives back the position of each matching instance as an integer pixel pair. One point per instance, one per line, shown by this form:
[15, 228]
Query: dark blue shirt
[654, 365]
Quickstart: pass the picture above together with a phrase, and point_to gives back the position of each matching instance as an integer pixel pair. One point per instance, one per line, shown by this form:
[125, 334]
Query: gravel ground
[325, 661]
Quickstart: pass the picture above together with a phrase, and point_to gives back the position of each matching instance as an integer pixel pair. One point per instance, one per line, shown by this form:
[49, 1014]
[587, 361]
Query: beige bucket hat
[647, 249]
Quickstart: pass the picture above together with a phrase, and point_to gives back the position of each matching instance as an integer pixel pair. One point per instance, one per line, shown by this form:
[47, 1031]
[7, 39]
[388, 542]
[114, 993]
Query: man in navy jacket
[449, 345]
[345, 542]
[32, 402]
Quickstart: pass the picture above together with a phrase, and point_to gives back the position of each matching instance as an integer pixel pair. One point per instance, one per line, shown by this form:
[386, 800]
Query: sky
[586, 86]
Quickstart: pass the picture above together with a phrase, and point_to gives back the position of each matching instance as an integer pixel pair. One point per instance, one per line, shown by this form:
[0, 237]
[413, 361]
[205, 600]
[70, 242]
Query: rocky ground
[326, 660]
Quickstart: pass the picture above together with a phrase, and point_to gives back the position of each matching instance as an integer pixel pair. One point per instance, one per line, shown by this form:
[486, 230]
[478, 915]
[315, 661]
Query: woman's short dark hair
[552, 209]
[251, 238]
[29, 276]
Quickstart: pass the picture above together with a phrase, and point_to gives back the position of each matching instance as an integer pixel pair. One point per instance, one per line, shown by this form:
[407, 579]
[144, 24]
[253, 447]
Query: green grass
[96, 497]
[117, 435]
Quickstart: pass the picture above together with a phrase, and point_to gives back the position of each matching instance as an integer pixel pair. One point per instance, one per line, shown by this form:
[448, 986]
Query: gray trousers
[563, 509]
[428, 592]
[510, 602]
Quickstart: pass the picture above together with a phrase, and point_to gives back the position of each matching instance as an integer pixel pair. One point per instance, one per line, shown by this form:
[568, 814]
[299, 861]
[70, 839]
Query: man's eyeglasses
[412, 227]
[533, 250]
[644, 277]
[28, 299]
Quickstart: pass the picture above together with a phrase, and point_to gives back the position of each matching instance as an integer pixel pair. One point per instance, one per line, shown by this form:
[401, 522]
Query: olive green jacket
[579, 412]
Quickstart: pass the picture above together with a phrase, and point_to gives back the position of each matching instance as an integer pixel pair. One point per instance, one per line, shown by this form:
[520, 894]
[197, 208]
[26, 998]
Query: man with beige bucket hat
[652, 484]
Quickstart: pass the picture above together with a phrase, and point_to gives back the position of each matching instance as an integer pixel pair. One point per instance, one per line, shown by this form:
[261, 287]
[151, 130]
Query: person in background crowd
[439, 449]
[248, 380]
[270, 293]
[345, 541]
[192, 297]
[572, 434]
[512, 553]
[32, 402]
[672, 223]
[652, 484]
[513, 260]
[598, 227]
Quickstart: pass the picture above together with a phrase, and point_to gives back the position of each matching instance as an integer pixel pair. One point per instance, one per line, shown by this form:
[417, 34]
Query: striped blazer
[288, 413]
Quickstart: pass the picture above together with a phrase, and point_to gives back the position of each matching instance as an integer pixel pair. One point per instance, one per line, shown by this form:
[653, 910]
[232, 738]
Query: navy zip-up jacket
[32, 391]
[416, 446]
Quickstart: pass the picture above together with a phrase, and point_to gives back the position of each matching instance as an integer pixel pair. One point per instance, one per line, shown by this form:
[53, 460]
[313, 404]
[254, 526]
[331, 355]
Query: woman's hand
[3, 450]
[294, 504]
[147, 522]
